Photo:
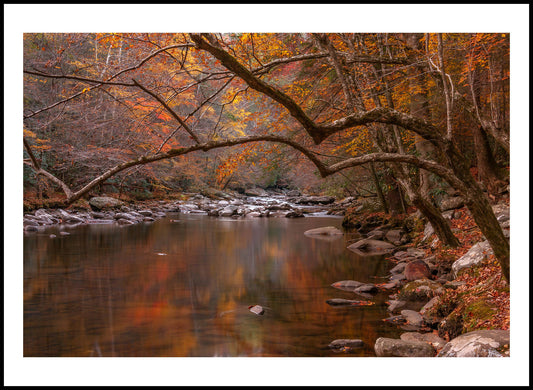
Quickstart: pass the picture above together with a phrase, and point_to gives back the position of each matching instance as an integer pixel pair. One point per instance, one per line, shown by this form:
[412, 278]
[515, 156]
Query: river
[181, 286]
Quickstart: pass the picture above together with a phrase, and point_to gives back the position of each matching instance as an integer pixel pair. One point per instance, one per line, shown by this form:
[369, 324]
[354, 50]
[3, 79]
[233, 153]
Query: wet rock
[412, 317]
[30, 228]
[397, 277]
[418, 253]
[387, 347]
[316, 200]
[401, 255]
[394, 236]
[345, 344]
[282, 206]
[64, 233]
[98, 215]
[124, 221]
[376, 234]
[395, 306]
[347, 285]
[431, 338]
[30, 222]
[398, 268]
[228, 211]
[73, 219]
[347, 302]
[255, 192]
[480, 343]
[257, 309]
[416, 269]
[366, 288]
[368, 245]
[146, 213]
[213, 213]
[52, 236]
[295, 214]
[104, 203]
[323, 231]
[475, 255]
[127, 216]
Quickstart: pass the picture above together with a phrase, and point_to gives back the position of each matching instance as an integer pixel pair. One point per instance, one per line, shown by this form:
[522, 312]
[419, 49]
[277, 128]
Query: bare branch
[170, 110]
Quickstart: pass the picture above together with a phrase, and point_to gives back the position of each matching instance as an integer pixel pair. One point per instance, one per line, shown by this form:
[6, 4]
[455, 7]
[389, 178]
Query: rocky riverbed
[415, 281]
[108, 210]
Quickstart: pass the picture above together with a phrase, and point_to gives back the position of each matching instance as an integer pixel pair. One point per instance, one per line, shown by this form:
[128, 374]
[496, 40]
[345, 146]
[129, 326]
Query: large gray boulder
[386, 347]
[480, 343]
[474, 256]
[104, 202]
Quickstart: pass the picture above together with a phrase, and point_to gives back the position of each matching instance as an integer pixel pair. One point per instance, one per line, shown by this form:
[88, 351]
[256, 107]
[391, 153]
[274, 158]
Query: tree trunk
[488, 171]
[419, 107]
[378, 189]
[481, 210]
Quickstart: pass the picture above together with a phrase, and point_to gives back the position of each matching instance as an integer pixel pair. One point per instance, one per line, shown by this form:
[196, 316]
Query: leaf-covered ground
[482, 302]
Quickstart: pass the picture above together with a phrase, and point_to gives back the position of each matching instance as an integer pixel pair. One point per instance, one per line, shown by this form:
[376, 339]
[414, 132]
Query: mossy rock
[476, 313]
[420, 290]
[452, 326]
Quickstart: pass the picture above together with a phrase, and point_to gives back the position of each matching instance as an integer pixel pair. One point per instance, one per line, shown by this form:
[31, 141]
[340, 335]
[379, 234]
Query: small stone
[345, 344]
[256, 309]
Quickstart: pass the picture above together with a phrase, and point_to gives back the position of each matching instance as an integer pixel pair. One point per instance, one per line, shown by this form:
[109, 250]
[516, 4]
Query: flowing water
[181, 286]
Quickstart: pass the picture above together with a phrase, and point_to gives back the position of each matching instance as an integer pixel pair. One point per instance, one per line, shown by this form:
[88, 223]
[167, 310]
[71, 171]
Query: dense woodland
[404, 118]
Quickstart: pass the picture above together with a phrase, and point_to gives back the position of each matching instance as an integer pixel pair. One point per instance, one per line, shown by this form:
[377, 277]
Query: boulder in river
[328, 230]
[370, 246]
[347, 285]
[323, 231]
[347, 302]
[345, 344]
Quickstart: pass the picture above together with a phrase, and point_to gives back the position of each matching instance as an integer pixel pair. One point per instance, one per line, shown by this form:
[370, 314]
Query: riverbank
[438, 295]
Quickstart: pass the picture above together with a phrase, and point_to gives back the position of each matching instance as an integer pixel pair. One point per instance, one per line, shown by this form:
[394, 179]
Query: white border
[265, 18]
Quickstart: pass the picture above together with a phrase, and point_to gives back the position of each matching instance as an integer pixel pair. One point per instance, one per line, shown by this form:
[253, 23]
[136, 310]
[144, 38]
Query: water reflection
[182, 287]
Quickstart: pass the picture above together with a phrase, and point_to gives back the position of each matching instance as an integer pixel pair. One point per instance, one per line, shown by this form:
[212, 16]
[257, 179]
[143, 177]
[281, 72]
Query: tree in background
[109, 103]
